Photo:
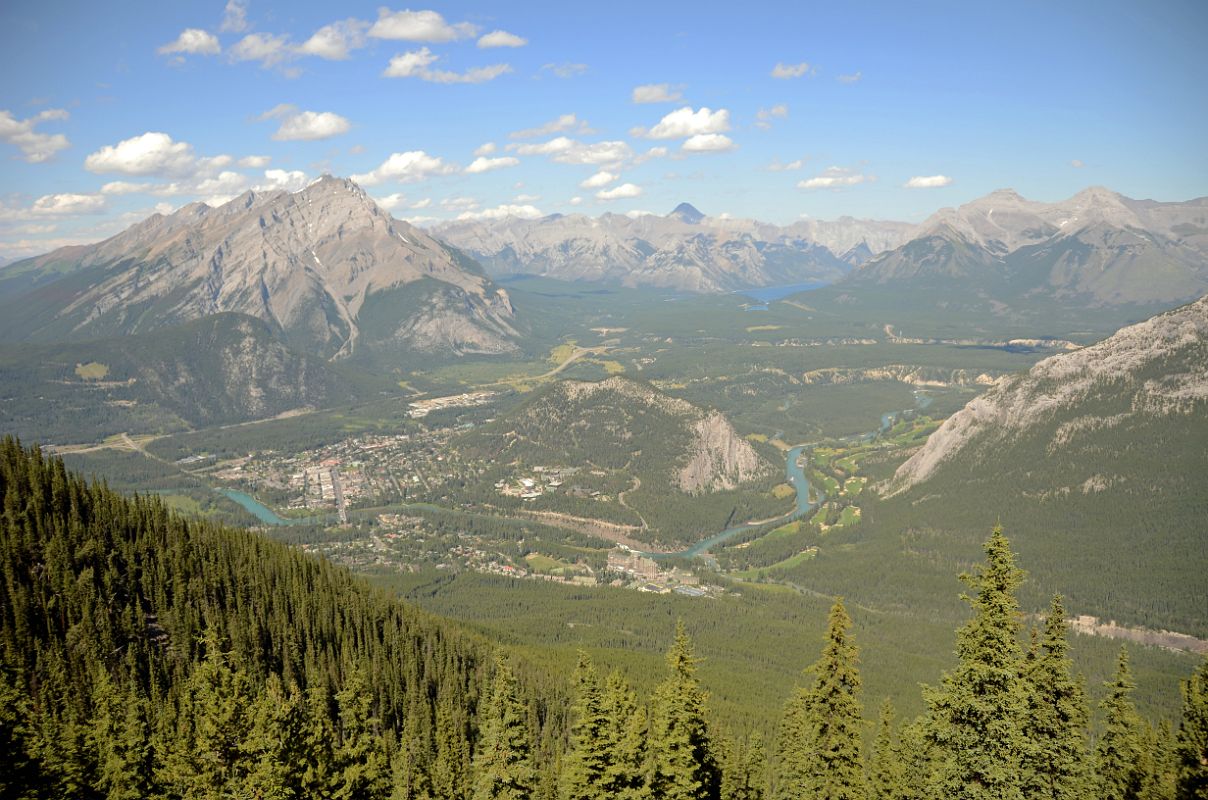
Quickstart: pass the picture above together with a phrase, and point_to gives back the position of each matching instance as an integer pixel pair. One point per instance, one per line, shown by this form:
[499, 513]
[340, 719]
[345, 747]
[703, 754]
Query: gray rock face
[304, 262]
[719, 458]
[683, 250]
[1155, 368]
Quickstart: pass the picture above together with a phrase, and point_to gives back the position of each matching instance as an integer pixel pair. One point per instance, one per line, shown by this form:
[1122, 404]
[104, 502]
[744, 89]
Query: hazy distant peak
[688, 213]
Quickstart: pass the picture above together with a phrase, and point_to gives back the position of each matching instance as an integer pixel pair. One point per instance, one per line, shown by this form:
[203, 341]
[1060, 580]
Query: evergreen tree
[121, 738]
[1056, 752]
[503, 767]
[978, 712]
[885, 768]
[919, 761]
[1192, 744]
[625, 737]
[743, 769]
[20, 774]
[361, 765]
[1122, 757]
[590, 756]
[821, 756]
[683, 765]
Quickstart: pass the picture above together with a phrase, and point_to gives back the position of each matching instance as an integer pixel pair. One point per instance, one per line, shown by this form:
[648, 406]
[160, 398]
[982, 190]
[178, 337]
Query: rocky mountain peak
[686, 212]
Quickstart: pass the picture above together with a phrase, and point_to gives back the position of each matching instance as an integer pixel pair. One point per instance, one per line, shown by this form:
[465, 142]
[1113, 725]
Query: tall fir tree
[683, 764]
[885, 768]
[503, 765]
[626, 737]
[979, 711]
[1056, 754]
[1191, 748]
[589, 757]
[361, 766]
[822, 741]
[1123, 763]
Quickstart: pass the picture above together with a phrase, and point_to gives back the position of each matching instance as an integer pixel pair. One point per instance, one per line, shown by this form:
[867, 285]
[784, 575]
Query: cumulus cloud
[417, 64]
[601, 178]
[566, 69]
[486, 149]
[290, 180]
[35, 147]
[526, 198]
[255, 162]
[565, 150]
[152, 153]
[457, 203]
[928, 182]
[484, 164]
[124, 187]
[779, 166]
[501, 39]
[391, 201]
[1077, 163]
[708, 143]
[69, 204]
[309, 126]
[575, 201]
[656, 93]
[269, 49]
[764, 117]
[852, 78]
[192, 41]
[503, 211]
[408, 167]
[684, 122]
[419, 26]
[834, 178]
[234, 17]
[622, 192]
[336, 41]
[786, 71]
[563, 124]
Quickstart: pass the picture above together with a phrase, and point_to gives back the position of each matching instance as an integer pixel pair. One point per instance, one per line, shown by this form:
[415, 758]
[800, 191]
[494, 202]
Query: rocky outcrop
[719, 458]
[1155, 368]
[902, 373]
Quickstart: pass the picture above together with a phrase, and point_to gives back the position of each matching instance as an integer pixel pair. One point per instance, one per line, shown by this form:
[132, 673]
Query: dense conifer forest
[146, 655]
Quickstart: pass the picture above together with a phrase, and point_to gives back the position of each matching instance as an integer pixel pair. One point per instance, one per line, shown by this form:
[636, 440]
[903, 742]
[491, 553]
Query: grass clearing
[783, 491]
[92, 371]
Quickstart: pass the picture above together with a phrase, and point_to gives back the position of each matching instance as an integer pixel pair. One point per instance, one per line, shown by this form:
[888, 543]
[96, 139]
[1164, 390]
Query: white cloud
[1077, 163]
[124, 187]
[502, 39]
[193, 41]
[502, 212]
[852, 78]
[234, 17]
[255, 162]
[416, 63]
[622, 192]
[786, 71]
[779, 166]
[834, 178]
[709, 143]
[486, 149]
[656, 93]
[419, 26]
[764, 117]
[483, 164]
[526, 198]
[418, 204]
[269, 49]
[575, 201]
[601, 178]
[336, 41]
[225, 184]
[69, 204]
[35, 147]
[308, 126]
[290, 180]
[565, 70]
[638, 212]
[391, 201]
[928, 182]
[152, 153]
[563, 124]
[408, 167]
[458, 203]
[565, 150]
[684, 122]
[652, 153]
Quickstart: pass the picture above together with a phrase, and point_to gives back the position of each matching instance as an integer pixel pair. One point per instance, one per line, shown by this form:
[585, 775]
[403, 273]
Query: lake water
[766, 294]
[255, 507]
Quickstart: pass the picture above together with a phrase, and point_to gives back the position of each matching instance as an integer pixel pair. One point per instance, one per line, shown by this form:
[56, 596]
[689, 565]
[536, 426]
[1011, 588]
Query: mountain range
[325, 267]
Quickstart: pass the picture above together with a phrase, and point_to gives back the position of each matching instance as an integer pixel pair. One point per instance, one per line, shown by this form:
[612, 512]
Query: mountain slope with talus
[309, 263]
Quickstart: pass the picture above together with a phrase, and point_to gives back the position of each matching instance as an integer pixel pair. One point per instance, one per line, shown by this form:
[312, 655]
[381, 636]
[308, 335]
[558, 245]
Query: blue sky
[767, 110]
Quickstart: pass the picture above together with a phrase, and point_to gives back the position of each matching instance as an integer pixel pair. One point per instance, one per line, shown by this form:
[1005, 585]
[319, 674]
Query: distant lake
[766, 294]
[261, 511]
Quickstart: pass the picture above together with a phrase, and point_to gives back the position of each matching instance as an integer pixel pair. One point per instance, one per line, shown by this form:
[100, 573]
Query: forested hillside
[143, 655]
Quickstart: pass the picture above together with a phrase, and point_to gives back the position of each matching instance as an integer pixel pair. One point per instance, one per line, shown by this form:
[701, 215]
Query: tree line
[145, 655]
